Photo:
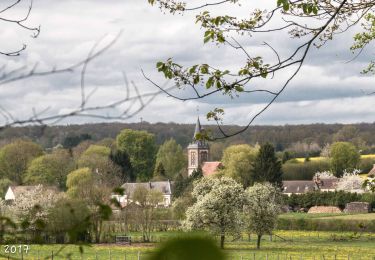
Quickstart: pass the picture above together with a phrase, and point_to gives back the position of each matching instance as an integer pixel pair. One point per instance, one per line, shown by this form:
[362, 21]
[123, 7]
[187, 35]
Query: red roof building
[211, 168]
[372, 172]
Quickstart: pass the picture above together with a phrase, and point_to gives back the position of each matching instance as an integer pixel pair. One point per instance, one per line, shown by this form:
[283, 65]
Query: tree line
[302, 140]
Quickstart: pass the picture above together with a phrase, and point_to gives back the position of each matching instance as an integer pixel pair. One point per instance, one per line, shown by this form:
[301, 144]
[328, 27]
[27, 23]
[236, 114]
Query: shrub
[326, 225]
[337, 198]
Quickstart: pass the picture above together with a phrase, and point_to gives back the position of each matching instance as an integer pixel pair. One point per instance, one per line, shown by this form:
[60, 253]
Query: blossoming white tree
[324, 175]
[34, 204]
[350, 181]
[218, 207]
[261, 209]
[369, 184]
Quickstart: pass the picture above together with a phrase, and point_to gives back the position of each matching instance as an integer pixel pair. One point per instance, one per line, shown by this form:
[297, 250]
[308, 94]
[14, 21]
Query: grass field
[369, 216]
[284, 245]
[365, 156]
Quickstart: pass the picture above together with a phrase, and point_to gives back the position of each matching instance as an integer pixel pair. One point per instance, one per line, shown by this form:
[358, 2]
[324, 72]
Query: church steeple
[198, 130]
[198, 150]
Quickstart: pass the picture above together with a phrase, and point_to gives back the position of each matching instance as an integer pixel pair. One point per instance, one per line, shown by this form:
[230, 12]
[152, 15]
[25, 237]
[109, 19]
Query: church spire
[198, 150]
[198, 129]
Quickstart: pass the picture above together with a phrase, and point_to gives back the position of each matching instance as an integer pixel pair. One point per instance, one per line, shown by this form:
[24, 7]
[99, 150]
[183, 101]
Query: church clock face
[193, 159]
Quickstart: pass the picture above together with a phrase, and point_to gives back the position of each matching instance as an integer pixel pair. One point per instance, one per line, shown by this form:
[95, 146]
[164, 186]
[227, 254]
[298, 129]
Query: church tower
[198, 150]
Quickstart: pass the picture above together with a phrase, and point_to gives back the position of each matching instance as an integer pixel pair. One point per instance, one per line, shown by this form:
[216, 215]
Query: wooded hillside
[299, 138]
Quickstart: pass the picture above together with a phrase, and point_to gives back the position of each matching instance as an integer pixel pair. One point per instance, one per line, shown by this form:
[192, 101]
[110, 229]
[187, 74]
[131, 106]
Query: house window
[193, 159]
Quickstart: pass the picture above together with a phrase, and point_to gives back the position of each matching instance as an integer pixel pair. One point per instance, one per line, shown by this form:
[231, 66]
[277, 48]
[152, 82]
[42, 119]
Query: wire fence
[109, 255]
[113, 255]
[281, 256]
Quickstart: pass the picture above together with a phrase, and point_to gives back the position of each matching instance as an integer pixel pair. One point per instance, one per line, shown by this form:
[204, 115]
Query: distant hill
[281, 136]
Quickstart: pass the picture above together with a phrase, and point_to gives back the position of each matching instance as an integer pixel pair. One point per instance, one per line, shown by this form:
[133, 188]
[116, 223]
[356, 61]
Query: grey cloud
[70, 28]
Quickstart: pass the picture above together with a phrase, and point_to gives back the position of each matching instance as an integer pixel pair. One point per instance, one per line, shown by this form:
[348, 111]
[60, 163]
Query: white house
[165, 187]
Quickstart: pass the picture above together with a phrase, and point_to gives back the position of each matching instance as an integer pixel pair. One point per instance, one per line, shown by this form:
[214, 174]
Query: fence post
[96, 255]
[254, 256]
[110, 254]
[348, 257]
[37, 253]
[139, 256]
[266, 256]
[52, 255]
[125, 256]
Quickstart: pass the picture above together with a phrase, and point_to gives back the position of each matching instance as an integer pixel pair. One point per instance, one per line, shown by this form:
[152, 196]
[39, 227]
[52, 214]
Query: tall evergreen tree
[159, 173]
[121, 158]
[266, 167]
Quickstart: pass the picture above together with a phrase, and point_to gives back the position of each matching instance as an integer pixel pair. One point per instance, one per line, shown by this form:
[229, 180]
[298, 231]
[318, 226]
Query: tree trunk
[258, 241]
[222, 238]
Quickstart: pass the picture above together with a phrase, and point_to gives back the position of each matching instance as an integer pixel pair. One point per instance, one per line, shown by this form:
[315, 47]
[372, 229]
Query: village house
[305, 186]
[165, 187]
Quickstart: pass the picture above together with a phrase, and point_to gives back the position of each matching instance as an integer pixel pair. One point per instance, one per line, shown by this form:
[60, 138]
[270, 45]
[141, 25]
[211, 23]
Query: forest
[303, 140]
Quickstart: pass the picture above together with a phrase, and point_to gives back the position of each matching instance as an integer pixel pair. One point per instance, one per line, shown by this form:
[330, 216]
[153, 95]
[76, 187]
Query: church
[199, 154]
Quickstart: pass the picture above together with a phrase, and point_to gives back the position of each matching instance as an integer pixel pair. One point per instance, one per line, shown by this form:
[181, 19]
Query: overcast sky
[327, 89]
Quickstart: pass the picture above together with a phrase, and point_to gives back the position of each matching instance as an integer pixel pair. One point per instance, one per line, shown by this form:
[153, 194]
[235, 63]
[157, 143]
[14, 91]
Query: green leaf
[159, 64]
[286, 6]
[204, 69]
[209, 82]
[238, 88]
[315, 10]
[193, 69]
[264, 74]
[196, 80]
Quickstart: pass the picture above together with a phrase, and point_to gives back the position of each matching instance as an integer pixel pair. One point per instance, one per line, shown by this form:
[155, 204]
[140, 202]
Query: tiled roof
[372, 172]
[329, 184]
[162, 186]
[210, 168]
[298, 186]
